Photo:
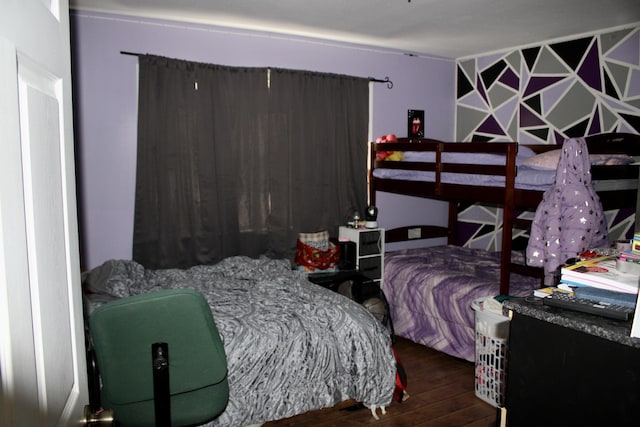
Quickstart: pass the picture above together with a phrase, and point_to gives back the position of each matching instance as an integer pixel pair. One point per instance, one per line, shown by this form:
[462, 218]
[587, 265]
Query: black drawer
[369, 243]
[371, 267]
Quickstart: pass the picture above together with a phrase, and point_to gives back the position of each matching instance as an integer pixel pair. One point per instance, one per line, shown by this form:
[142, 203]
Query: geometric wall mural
[551, 92]
[543, 95]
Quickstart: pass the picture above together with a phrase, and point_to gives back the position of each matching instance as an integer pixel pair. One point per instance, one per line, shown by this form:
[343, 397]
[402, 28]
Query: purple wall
[106, 104]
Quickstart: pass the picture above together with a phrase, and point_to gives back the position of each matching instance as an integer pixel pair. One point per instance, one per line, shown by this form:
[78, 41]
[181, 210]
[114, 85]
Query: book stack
[612, 279]
[600, 272]
[548, 291]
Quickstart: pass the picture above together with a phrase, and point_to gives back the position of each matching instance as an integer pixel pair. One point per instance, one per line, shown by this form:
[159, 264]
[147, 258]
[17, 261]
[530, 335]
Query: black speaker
[347, 255]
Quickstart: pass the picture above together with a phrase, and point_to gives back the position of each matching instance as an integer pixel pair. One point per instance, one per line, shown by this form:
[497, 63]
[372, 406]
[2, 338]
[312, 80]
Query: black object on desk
[332, 279]
[358, 287]
[350, 283]
[583, 305]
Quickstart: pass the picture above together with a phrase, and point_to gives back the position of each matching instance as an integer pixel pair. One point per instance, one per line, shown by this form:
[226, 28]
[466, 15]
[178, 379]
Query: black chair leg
[94, 382]
[161, 391]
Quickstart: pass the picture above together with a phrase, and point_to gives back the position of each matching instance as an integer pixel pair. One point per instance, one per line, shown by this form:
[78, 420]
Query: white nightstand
[369, 250]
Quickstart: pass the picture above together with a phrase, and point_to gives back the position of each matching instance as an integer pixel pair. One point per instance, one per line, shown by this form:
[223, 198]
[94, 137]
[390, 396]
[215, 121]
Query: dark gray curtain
[238, 161]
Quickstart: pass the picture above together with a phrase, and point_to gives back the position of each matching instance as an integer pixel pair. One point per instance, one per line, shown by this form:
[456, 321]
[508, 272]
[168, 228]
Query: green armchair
[160, 359]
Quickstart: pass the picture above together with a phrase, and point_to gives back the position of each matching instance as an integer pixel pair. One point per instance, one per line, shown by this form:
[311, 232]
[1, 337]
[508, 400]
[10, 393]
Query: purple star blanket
[570, 219]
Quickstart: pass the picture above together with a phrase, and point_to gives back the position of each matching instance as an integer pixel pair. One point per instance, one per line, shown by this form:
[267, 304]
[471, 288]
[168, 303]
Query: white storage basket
[492, 333]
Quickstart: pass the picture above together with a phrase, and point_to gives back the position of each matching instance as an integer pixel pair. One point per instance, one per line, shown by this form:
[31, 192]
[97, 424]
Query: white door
[42, 351]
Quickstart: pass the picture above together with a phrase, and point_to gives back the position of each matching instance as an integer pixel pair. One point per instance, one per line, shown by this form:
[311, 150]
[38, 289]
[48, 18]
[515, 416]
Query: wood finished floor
[441, 390]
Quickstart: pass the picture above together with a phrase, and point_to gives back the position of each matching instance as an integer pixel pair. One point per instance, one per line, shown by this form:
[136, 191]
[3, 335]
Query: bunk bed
[502, 174]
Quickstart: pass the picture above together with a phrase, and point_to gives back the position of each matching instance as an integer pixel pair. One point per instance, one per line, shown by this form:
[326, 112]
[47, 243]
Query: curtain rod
[371, 79]
[386, 80]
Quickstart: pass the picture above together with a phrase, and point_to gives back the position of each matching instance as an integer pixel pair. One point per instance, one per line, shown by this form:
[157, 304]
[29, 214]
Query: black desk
[570, 369]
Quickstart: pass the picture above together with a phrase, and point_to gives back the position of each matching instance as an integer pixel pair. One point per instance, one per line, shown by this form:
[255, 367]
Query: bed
[291, 346]
[430, 290]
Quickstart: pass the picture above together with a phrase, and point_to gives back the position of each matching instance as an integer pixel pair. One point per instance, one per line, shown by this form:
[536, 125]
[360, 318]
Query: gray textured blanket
[291, 346]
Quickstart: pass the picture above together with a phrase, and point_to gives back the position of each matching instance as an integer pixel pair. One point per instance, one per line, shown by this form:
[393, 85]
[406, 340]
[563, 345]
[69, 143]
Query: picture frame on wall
[415, 123]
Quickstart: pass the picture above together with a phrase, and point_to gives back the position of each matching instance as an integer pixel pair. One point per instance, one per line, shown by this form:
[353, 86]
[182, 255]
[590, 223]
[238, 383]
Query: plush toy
[388, 155]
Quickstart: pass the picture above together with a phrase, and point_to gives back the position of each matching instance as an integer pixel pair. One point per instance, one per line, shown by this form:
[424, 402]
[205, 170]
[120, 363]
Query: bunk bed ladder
[508, 219]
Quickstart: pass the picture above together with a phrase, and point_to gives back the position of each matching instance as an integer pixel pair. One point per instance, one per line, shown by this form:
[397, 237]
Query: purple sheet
[528, 178]
[534, 172]
[430, 291]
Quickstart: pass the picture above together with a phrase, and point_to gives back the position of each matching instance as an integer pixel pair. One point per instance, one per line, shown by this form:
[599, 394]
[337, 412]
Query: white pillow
[546, 160]
[550, 159]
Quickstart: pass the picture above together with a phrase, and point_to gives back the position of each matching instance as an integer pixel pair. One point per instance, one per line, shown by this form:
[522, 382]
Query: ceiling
[448, 28]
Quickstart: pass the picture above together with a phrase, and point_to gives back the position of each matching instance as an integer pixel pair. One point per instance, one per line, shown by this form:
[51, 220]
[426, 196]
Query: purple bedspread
[430, 291]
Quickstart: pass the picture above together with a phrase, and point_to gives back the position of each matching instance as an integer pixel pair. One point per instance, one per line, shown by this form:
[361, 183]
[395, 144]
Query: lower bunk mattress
[291, 346]
[430, 291]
